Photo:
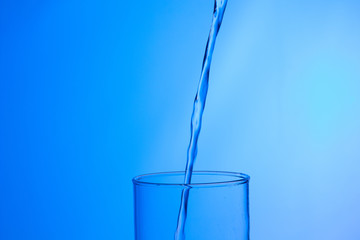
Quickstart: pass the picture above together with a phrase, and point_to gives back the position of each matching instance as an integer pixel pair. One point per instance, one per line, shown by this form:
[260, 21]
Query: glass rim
[239, 178]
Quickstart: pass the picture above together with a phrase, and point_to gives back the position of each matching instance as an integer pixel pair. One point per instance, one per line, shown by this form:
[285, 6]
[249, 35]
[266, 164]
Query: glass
[218, 206]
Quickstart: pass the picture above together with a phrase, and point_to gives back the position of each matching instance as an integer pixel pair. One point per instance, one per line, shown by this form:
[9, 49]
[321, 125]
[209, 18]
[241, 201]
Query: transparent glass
[218, 206]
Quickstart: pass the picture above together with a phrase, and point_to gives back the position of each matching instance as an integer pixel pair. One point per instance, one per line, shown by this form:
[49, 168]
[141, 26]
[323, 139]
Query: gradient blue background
[93, 93]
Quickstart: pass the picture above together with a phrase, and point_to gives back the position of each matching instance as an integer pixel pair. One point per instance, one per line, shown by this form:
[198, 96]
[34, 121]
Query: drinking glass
[218, 205]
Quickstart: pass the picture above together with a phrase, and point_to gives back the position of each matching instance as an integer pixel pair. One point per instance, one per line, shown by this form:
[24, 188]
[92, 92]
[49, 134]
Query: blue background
[93, 93]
